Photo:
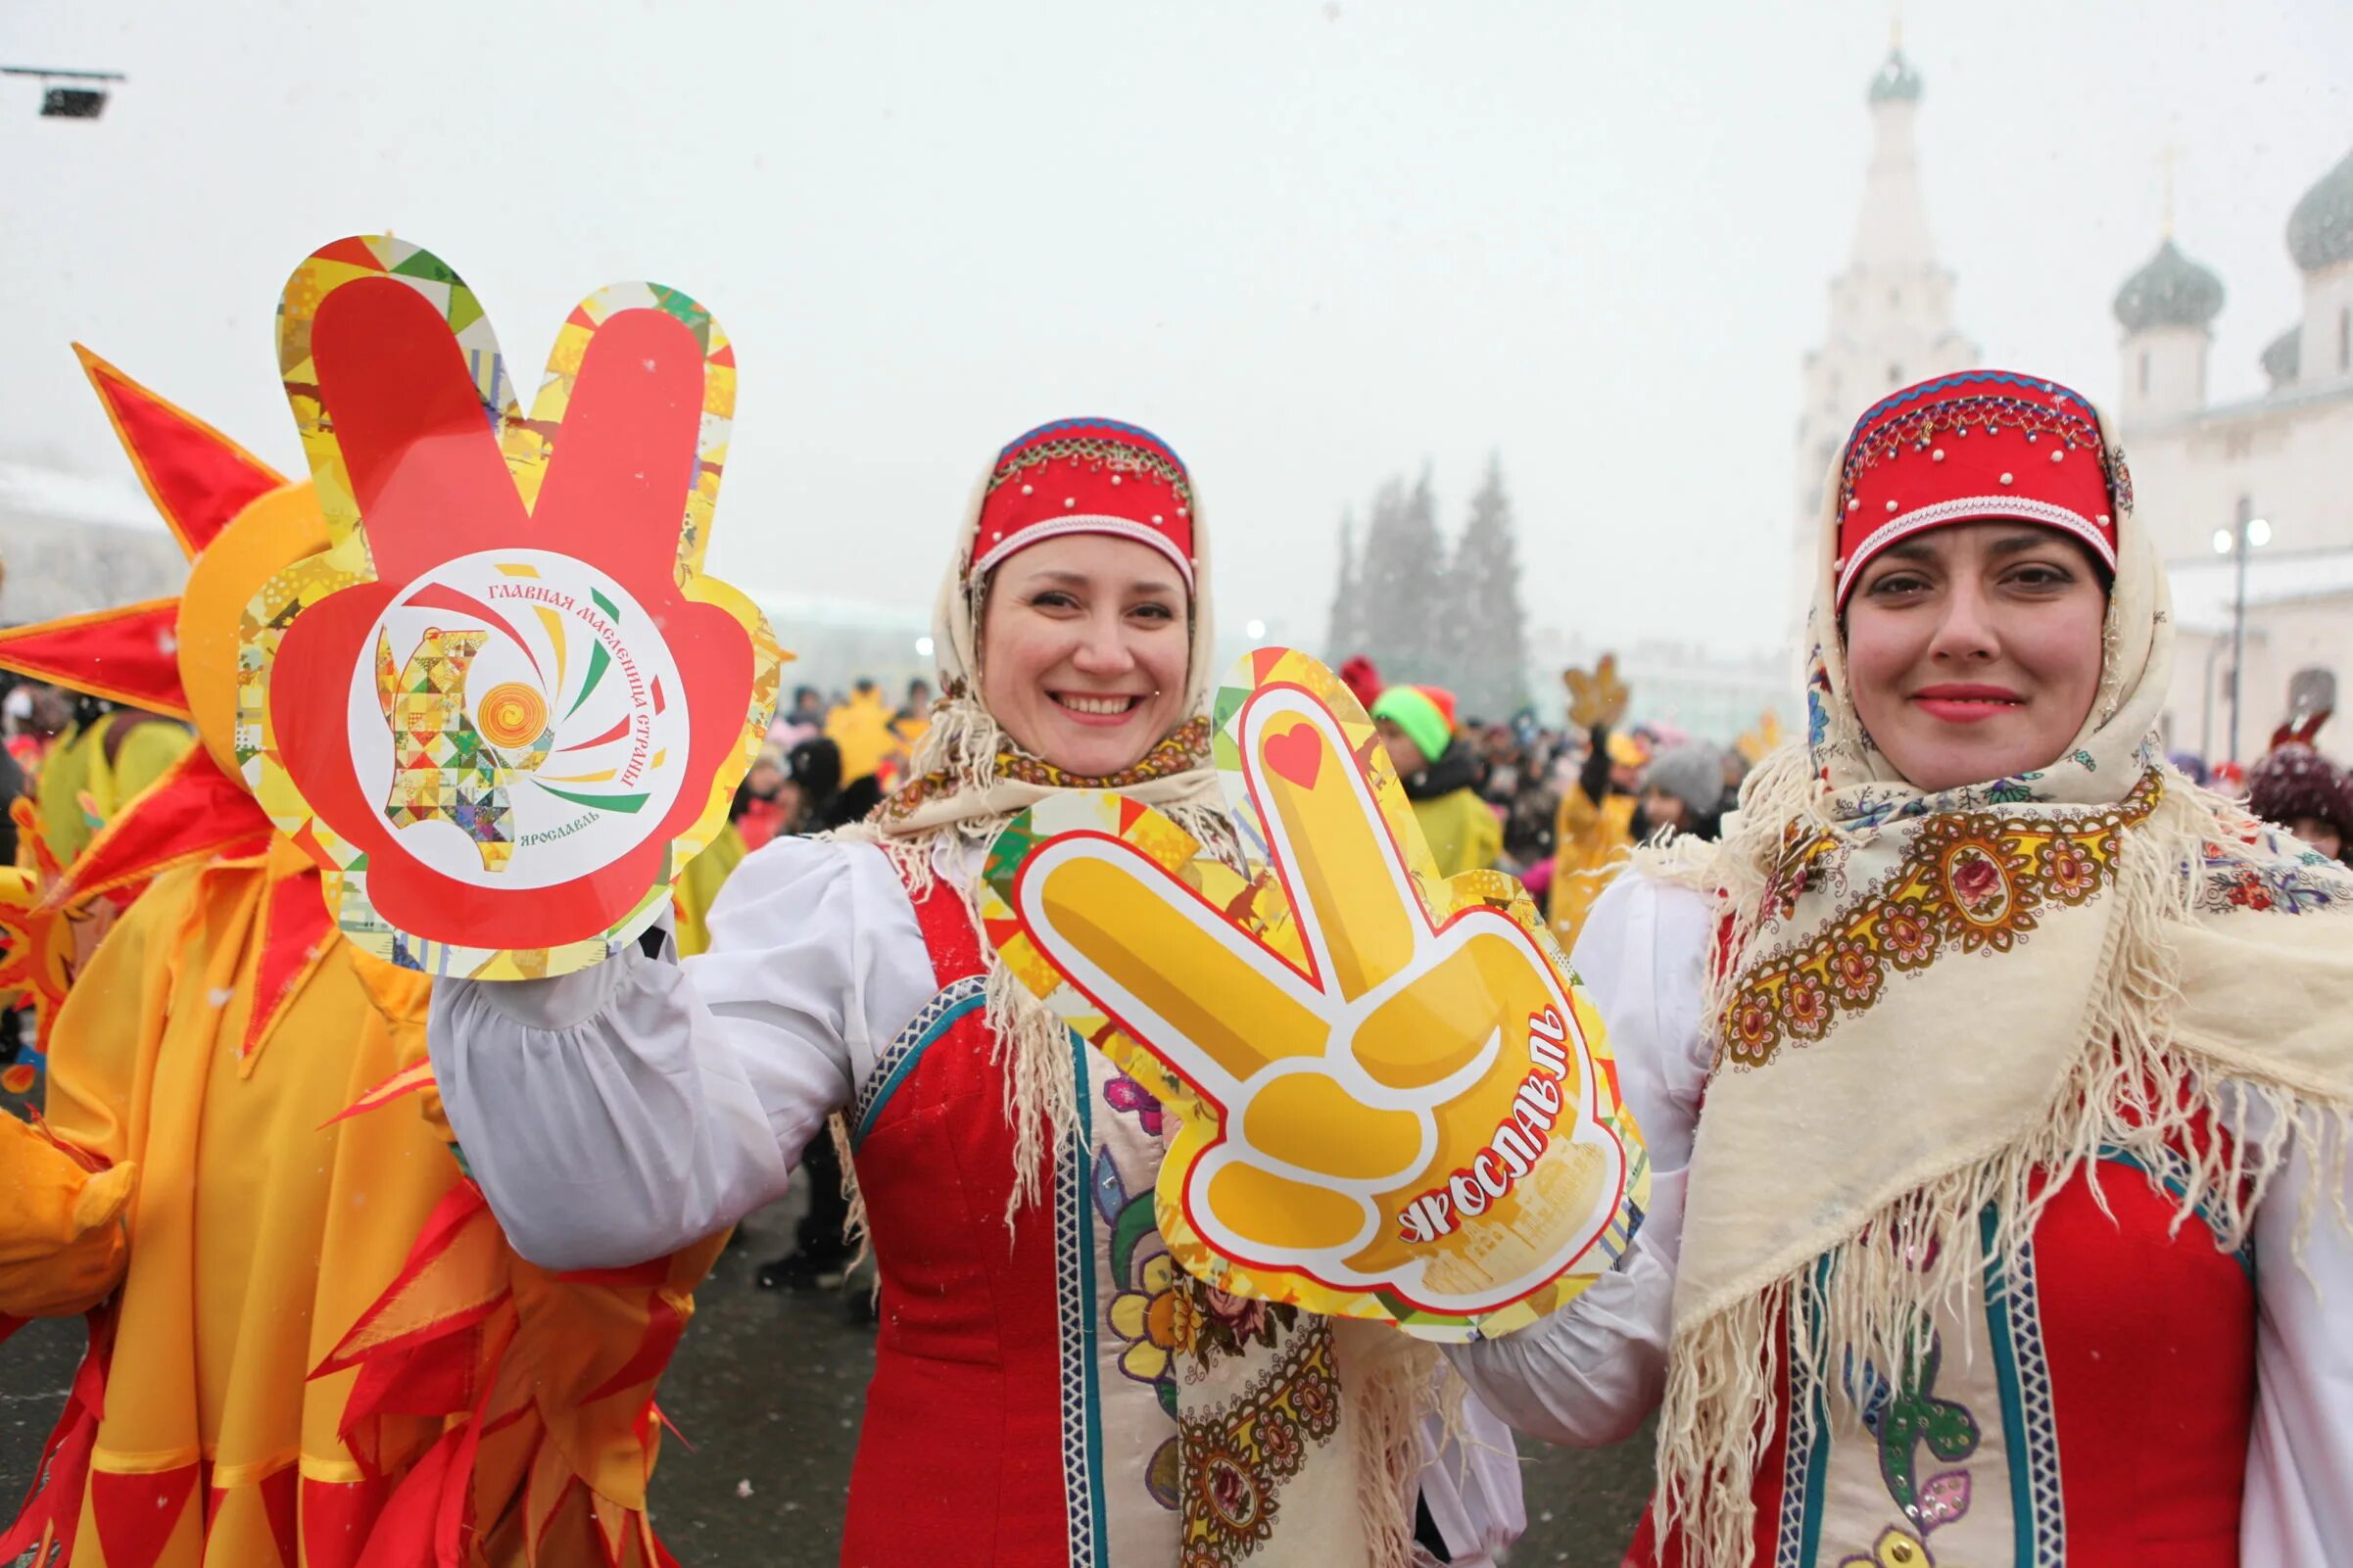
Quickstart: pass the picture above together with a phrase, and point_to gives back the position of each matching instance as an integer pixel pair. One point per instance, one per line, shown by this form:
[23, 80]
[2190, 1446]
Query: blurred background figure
[107, 754]
[758, 814]
[1595, 826]
[805, 717]
[1440, 772]
[1682, 792]
[2307, 794]
[861, 729]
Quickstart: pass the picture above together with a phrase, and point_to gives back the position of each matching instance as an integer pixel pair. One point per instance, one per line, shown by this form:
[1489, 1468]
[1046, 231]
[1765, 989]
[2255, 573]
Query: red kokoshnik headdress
[1976, 447]
[1086, 476]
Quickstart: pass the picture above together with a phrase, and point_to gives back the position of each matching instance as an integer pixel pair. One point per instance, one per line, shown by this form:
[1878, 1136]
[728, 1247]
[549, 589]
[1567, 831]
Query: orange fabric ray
[195, 476]
[455, 1274]
[126, 654]
[407, 1081]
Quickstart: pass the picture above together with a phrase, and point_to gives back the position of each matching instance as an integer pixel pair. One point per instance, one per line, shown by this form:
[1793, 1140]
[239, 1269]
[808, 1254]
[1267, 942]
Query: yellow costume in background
[698, 889]
[96, 770]
[1462, 830]
[310, 1341]
[1593, 832]
[861, 727]
[1589, 841]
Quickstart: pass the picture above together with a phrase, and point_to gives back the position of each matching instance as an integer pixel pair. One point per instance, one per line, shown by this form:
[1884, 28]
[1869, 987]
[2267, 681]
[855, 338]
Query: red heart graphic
[1297, 754]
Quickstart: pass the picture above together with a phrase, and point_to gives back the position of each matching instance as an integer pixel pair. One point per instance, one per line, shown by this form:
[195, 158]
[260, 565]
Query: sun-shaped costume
[310, 1343]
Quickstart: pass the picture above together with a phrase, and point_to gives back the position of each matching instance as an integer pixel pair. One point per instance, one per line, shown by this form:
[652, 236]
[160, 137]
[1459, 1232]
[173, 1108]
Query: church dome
[2171, 290]
[1896, 81]
[2319, 231]
[2282, 356]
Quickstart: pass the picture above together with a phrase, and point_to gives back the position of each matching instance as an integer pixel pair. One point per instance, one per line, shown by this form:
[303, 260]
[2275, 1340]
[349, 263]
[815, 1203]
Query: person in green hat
[1440, 773]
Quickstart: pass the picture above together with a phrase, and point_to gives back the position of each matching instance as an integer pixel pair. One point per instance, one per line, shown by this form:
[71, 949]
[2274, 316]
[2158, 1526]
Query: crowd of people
[1995, 1073]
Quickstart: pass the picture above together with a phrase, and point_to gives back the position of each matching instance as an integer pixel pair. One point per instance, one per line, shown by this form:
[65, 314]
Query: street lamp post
[2248, 534]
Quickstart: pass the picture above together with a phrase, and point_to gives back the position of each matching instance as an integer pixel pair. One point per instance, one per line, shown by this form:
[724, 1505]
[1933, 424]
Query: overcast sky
[1311, 243]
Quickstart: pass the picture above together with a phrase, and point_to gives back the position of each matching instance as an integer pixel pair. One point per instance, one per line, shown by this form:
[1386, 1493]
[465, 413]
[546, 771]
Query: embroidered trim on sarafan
[1180, 750]
[1970, 882]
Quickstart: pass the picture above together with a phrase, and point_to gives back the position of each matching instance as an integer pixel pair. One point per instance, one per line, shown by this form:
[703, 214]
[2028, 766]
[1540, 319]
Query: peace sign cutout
[1394, 1101]
[507, 705]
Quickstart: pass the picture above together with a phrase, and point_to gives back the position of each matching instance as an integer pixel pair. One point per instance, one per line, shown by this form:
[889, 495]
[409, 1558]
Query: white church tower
[1890, 312]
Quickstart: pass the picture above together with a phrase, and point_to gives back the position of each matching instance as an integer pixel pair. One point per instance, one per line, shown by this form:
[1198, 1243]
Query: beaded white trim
[1084, 523]
[1990, 508]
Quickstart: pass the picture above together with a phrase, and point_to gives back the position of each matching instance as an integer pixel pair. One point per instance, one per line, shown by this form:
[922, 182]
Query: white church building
[2278, 467]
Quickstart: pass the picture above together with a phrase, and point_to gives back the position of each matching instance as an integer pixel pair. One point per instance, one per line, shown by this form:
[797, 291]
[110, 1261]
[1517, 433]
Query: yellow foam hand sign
[1597, 697]
[1394, 1101]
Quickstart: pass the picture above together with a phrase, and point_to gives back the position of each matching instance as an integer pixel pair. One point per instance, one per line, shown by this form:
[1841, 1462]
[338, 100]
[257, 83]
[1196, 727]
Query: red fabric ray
[296, 933]
[129, 655]
[137, 1513]
[52, 1512]
[193, 812]
[338, 1516]
[281, 1496]
[195, 476]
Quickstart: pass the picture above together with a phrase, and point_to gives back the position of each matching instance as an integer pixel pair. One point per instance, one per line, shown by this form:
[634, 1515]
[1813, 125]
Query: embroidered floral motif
[1220, 1327]
[1969, 883]
[2289, 879]
[1912, 1416]
[1148, 1319]
[1184, 748]
[1123, 1093]
[1236, 1460]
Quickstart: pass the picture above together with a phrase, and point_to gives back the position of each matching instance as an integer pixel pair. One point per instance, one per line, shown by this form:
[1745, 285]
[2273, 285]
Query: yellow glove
[62, 1247]
[1597, 696]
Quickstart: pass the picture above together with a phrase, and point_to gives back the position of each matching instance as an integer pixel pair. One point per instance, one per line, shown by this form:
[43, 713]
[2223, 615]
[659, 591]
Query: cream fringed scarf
[1944, 1002]
[1344, 1498]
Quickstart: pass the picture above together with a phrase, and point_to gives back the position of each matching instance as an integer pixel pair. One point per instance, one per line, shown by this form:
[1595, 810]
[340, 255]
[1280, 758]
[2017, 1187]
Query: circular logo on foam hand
[516, 706]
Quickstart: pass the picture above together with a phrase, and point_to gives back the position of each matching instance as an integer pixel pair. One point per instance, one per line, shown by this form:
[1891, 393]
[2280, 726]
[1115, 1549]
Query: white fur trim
[1986, 508]
[1085, 523]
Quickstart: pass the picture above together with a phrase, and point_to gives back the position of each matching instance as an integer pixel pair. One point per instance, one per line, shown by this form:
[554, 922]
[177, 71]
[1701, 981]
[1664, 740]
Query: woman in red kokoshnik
[1049, 1389]
[2014, 1227]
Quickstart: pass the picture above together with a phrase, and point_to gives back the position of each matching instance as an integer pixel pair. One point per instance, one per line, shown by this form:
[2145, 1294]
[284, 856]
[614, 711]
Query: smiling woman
[2023, 1063]
[1048, 1391]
